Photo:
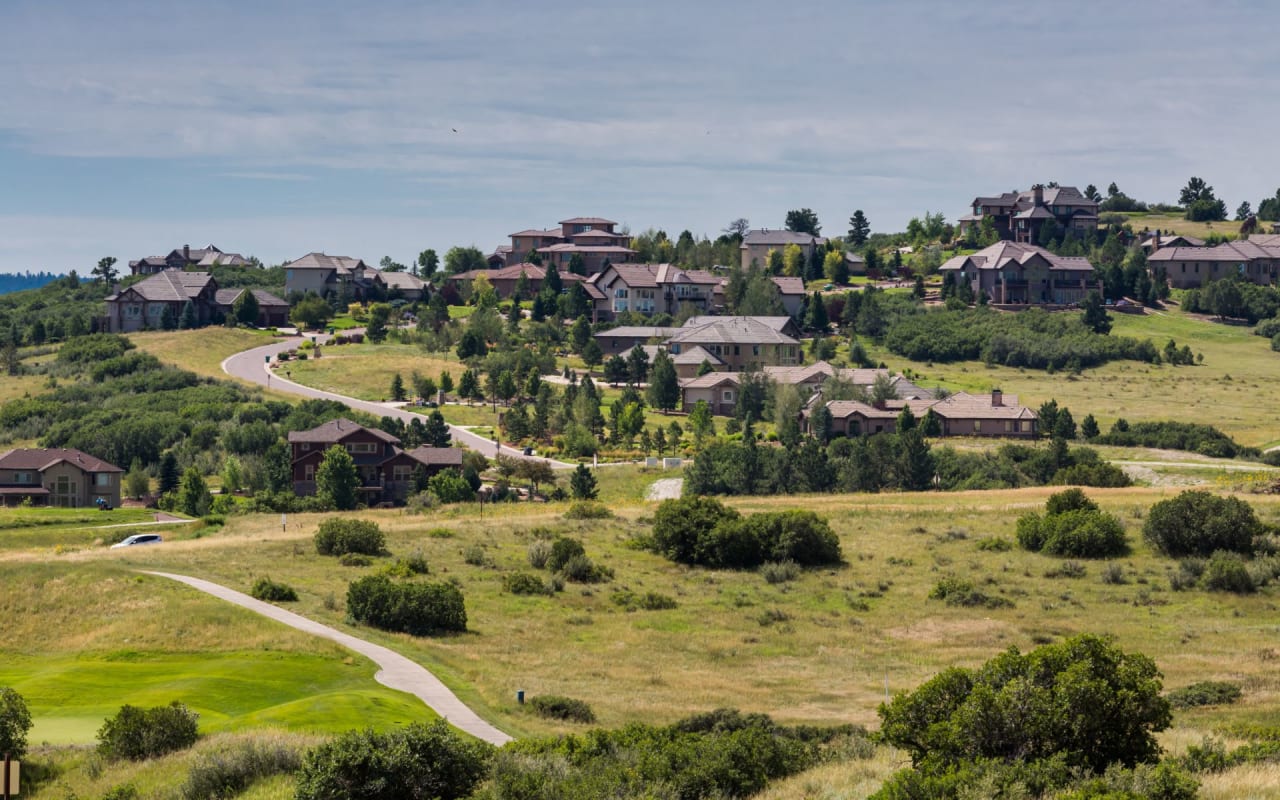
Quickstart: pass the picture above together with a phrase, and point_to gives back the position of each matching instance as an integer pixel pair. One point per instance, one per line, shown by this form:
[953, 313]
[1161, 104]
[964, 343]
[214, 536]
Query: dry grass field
[365, 370]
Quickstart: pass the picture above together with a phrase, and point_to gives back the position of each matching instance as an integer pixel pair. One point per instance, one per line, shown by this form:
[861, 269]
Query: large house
[1256, 259]
[961, 414]
[1019, 216]
[143, 305]
[330, 276]
[757, 244]
[742, 343]
[504, 280]
[386, 470]
[1023, 274]
[720, 389]
[57, 477]
[183, 257]
[621, 339]
[592, 239]
[652, 289]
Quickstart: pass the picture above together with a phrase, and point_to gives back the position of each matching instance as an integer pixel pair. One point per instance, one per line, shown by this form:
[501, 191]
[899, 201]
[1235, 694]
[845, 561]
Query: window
[735, 350]
[755, 349]
[365, 448]
[675, 349]
[1008, 426]
[102, 479]
[401, 472]
[1026, 426]
[155, 309]
[727, 396]
[977, 426]
[22, 477]
[309, 472]
[133, 310]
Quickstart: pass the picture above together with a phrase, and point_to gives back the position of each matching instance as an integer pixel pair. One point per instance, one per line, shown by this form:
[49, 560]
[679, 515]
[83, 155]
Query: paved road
[251, 365]
[397, 671]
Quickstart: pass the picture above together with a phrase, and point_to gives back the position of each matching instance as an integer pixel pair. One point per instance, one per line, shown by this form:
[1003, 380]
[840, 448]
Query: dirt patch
[665, 489]
[938, 631]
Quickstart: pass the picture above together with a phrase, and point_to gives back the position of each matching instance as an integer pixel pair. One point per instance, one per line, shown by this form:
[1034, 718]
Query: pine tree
[664, 385]
[168, 473]
[246, 308]
[859, 229]
[193, 494]
[189, 319]
[583, 484]
[437, 431]
[468, 385]
[816, 318]
[446, 381]
[579, 334]
[397, 388]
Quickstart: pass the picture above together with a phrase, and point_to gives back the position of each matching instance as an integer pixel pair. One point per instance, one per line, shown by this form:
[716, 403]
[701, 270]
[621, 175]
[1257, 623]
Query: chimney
[997, 397]
[1157, 245]
[186, 252]
[1037, 194]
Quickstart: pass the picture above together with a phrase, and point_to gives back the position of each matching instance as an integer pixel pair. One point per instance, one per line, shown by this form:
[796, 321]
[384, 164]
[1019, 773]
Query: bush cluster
[341, 535]
[1205, 693]
[1073, 526]
[420, 609]
[418, 762]
[649, 601]
[524, 583]
[702, 531]
[567, 559]
[141, 733]
[228, 771]
[1199, 523]
[272, 592]
[959, 592]
[1168, 435]
[588, 509]
[552, 706]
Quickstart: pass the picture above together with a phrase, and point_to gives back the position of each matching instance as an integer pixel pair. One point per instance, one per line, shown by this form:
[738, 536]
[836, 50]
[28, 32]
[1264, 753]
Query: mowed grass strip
[82, 639]
[818, 649]
[365, 370]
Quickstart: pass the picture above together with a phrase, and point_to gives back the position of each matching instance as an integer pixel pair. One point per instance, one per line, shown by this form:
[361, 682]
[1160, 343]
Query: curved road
[396, 671]
[252, 366]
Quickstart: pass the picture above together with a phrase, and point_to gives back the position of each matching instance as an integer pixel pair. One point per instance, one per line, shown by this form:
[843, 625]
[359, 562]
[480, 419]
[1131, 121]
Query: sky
[276, 128]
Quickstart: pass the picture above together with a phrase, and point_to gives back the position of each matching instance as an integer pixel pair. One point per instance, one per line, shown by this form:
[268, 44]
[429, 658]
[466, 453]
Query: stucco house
[143, 305]
[719, 389]
[184, 257]
[330, 276]
[593, 239]
[1013, 274]
[1255, 260]
[756, 245]
[962, 414]
[624, 337]
[386, 470]
[1019, 216]
[57, 477]
[652, 289]
[272, 311]
[741, 342]
[504, 280]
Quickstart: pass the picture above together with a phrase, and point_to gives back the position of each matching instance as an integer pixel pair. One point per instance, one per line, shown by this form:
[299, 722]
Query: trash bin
[528, 451]
[520, 696]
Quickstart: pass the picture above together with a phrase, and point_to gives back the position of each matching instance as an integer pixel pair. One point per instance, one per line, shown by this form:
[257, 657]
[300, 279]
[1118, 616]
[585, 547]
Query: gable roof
[40, 459]
[788, 285]
[712, 380]
[1233, 252]
[694, 355]
[963, 405]
[336, 430]
[343, 265]
[638, 332]
[436, 456]
[1002, 254]
[779, 237]
[587, 221]
[228, 297]
[405, 281]
[779, 324]
[734, 330]
[170, 285]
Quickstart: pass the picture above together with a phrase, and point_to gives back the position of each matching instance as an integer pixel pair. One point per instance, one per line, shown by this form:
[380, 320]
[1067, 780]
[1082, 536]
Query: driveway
[395, 671]
[252, 366]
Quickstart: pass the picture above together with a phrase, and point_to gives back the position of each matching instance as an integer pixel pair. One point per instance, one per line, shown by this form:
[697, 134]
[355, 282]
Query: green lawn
[1175, 223]
[365, 370]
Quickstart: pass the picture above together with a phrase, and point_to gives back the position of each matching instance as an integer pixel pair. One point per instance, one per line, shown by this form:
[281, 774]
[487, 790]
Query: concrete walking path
[396, 671]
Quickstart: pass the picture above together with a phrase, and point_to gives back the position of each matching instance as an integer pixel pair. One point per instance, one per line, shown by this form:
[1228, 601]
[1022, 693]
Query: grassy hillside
[1175, 223]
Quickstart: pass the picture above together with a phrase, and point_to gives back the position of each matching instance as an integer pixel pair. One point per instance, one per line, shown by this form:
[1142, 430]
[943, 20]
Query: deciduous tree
[337, 479]
[803, 220]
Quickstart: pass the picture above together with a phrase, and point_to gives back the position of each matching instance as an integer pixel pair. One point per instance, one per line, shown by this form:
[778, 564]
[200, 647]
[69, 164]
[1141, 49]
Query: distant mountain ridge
[18, 281]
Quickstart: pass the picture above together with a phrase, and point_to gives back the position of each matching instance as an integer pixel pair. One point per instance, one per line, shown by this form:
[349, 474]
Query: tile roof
[171, 285]
[636, 276]
[217, 258]
[788, 285]
[694, 355]
[1233, 252]
[1001, 254]
[736, 330]
[777, 323]
[402, 280]
[783, 237]
[602, 233]
[711, 380]
[565, 247]
[1265, 239]
[552, 232]
[228, 297]
[436, 456]
[638, 332]
[963, 405]
[336, 430]
[341, 264]
[40, 459]
[512, 272]
[841, 409]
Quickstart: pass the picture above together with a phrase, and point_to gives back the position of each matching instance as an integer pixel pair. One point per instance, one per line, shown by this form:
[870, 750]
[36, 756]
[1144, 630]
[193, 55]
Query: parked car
[139, 538]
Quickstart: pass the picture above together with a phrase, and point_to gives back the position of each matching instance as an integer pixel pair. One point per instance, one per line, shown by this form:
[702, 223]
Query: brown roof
[636, 276]
[342, 264]
[963, 405]
[173, 285]
[781, 237]
[402, 280]
[228, 297]
[788, 285]
[711, 380]
[694, 355]
[777, 323]
[564, 247]
[1233, 252]
[638, 332]
[587, 221]
[734, 330]
[512, 273]
[43, 458]
[842, 409]
[336, 430]
[436, 456]
[1001, 254]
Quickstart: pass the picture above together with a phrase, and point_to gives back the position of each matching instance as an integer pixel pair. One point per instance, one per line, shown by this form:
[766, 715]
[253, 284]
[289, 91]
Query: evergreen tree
[664, 385]
[859, 229]
[914, 468]
[168, 476]
[168, 322]
[278, 464]
[906, 420]
[397, 388]
[917, 291]
[552, 282]
[513, 315]
[436, 433]
[701, 422]
[592, 355]
[1095, 315]
[816, 317]
[468, 386]
[582, 484]
[579, 334]
[337, 479]
[193, 494]
[188, 320]
[1089, 427]
[637, 366]
[245, 308]
[446, 381]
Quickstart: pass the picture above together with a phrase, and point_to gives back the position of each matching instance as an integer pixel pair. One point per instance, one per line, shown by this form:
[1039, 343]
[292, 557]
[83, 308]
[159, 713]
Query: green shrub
[125, 791]
[1227, 572]
[1067, 569]
[959, 592]
[409, 567]
[475, 555]
[141, 733]
[420, 609]
[588, 509]
[524, 583]
[995, 544]
[1205, 693]
[679, 525]
[1114, 574]
[418, 762]
[1069, 500]
[649, 601]
[340, 535]
[553, 706]
[539, 552]
[268, 590]
[1197, 523]
[702, 531]
[1072, 526]
[15, 722]
[562, 551]
[228, 771]
[354, 560]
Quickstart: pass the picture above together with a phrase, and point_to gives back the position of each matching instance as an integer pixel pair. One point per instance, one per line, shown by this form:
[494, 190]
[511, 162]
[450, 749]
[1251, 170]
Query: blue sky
[277, 128]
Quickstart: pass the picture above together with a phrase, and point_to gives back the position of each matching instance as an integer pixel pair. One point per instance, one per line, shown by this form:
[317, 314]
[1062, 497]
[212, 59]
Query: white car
[139, 538]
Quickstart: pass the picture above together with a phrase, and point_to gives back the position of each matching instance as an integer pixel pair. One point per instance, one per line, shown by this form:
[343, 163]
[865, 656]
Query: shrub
[959, 592]
[539, 552]
[1205, 693]
[649, 601]
[1227, 572]
[588, 509]
[415, 564]
[702, 531]
[1067, 569]
[678, 525]
[1114, 574]
[564, 708]
[227, 772]
[1072, 526]
[338, 536]
[475, 555]
[268, 590]
[141, 733]
[562, 550]
[418, 762]
[1069, 500]
[125, 791]
[354, 560]
[15, 723]
[581, 569]
[1197, 523]
[524, 583]
[995, 544]
[780, 571]
[420, 609]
